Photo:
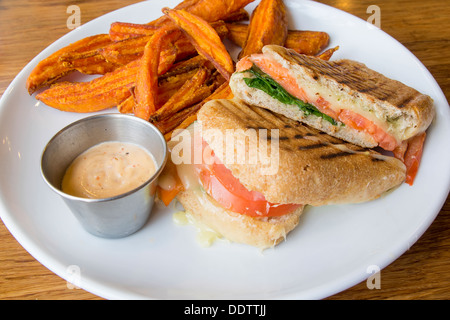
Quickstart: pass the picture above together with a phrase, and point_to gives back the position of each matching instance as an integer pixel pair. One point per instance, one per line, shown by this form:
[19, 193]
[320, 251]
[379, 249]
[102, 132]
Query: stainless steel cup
[121, 215]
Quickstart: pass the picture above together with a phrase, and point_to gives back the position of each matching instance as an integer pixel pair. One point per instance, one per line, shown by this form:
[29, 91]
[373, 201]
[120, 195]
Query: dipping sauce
[108, 169]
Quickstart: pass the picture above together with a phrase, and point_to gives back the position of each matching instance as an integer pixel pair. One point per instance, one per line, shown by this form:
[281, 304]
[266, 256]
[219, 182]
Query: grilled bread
[366, 108]
[312, 167]
[309, 168]
[263, 233]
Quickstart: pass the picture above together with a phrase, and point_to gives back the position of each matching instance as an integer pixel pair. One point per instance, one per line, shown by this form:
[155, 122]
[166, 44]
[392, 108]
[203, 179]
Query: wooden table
[28, 27]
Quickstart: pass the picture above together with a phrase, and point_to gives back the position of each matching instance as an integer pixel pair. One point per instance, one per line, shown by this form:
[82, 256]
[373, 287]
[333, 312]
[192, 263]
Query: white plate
[333, 248]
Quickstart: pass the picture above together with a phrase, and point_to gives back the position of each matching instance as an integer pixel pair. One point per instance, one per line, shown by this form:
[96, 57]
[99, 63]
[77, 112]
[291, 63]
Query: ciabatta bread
[398, 109]
[262, 233]
[311, 168]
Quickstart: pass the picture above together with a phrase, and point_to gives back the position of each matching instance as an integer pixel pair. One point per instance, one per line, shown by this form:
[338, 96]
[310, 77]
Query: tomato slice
[409, 152]
[227, 190]
[356, 121]
[280, 74]
[244, 64]
[324, 107]
[413, 155]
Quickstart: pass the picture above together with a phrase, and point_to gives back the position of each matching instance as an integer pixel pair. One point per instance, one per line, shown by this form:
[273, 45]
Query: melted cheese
[185, 149]
[315, 94]
[338, 102]
[189, 141]
[205, 236]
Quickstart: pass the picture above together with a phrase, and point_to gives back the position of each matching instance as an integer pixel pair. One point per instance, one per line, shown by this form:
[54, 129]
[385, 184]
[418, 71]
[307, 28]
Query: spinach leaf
[265, 83]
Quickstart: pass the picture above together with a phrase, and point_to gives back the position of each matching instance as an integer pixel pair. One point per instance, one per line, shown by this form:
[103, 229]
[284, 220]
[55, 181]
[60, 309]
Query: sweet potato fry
[182, 108]
[125, 51]
[169, 124]
[268, 25]
[302, 41]
[123, 30]
[186, 4]
[177, 78]
[87, 62]
[164, 21]
[122, 52]
[213, 10]
[191, 92]
[205, 40]
[184, 66]
[183, 125]
[146, 88]
[237, 16]
[185, 118]
[237, 33]
[223, 92]
[101, 92]
[98, 94]
[307, 42]
[326, 55]
[166, 196]
[167, 87]
[127, 105]
[209, 10]
[50, 69]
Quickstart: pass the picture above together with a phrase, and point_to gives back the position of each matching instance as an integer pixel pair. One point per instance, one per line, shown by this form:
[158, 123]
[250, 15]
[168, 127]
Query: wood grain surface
[29, 26]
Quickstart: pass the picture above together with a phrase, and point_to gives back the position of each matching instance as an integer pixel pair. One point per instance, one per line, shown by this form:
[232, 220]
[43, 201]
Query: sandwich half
[343, 98]
[259, 169]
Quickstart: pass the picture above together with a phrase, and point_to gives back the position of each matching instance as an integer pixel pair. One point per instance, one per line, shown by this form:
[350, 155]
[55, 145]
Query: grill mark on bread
[294, 136]
[312, 146]
[336, 155]
[302, 176]
[400, 110]
[356, 76]
[255, 127]
[405, 102]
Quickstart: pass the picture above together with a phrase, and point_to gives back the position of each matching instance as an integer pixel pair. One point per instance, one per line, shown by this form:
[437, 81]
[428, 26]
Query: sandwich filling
[226, 189]
[391, 133]
[215, 179]
[276, 80]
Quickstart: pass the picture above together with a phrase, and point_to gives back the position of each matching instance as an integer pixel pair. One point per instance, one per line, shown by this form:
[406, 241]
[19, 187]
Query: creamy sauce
[108, 169]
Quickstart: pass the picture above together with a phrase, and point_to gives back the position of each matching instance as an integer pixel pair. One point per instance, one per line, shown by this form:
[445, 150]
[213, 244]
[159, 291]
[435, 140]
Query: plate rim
[100, 289]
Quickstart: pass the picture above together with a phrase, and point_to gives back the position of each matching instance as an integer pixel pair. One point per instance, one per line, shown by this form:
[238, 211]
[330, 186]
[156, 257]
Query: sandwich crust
[262, 233]
[403, 111]
[312, 167]
[261, 99]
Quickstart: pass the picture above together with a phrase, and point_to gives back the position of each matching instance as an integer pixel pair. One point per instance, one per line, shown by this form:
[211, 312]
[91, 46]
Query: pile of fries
[165, 70]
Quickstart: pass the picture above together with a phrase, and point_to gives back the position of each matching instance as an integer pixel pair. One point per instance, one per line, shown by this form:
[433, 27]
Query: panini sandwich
[245, 203]
[343, 98]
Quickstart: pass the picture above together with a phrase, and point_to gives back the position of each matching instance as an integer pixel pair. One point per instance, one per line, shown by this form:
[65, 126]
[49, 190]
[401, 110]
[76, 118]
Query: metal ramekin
[117, 216]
